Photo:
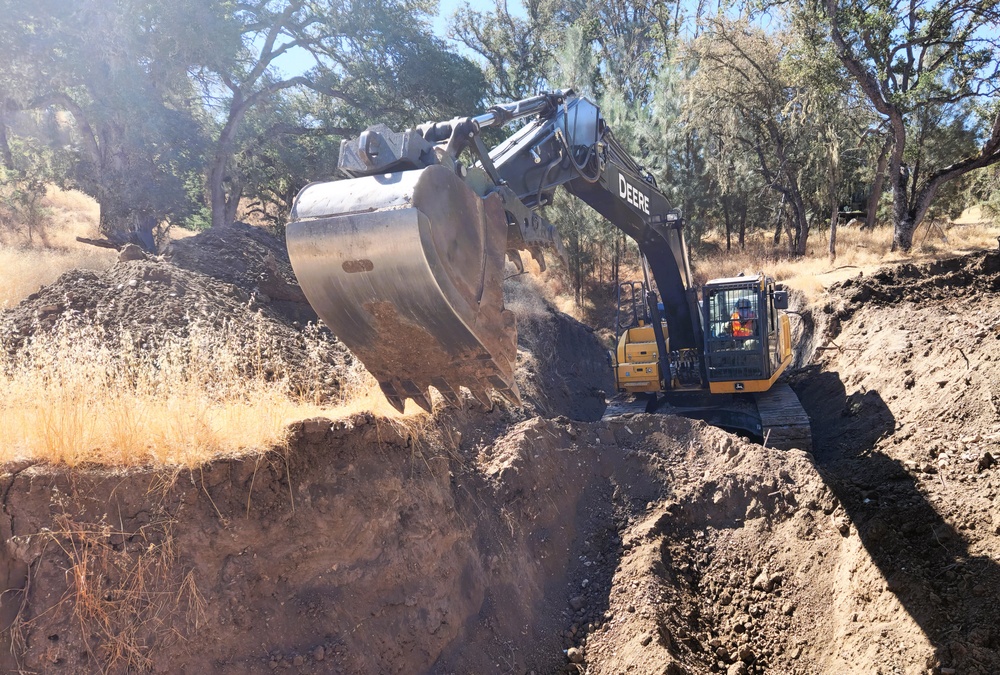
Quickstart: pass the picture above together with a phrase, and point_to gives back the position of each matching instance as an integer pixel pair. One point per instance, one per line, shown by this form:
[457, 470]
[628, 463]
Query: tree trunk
[616, 260]
[903, 224]
[834, 217]
[877, 184]
[222, 207]
[902, 236]
[233, 200]
[121, 223]
[779, 222]
[834, 212]
[729, 223]
[898, 174]
[577, 255]
[743, 227]
[8, 156]
[799, 222]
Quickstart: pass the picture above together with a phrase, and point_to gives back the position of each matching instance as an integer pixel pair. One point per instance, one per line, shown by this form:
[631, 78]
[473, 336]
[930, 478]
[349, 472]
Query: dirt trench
[371, 547]
[542, 539]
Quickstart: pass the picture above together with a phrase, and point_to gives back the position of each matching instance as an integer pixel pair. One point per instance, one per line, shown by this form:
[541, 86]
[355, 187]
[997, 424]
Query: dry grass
[25, 271]
[77, 395]
[856, 251]
[123, 589]
[525, 291]
[53, 249]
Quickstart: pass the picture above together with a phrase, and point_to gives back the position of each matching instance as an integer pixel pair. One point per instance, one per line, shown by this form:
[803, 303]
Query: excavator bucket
[406, 269]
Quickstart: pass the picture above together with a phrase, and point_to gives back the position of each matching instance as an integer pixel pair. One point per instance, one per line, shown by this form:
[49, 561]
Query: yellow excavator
[404, 261]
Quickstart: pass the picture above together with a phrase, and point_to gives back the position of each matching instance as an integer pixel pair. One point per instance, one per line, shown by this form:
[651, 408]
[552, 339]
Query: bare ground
[541, 539]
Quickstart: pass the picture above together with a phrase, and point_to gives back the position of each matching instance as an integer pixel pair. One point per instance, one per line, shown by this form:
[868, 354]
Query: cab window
[733, 313]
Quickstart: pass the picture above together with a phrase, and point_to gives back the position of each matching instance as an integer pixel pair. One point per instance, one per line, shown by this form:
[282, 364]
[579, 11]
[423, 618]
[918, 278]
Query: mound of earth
[150, 301]
[249, 258]
[903, 400]
[372, 547]
[562, 368]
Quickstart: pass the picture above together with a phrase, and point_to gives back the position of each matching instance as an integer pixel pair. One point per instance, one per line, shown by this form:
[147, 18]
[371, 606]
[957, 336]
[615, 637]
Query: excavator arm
[404, 260]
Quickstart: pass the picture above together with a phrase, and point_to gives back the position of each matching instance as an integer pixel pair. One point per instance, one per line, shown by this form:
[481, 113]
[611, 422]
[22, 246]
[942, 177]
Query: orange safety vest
[742, 327]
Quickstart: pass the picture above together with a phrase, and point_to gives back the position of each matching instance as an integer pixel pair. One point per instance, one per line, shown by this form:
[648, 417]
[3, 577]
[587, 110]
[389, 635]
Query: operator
[743, 318]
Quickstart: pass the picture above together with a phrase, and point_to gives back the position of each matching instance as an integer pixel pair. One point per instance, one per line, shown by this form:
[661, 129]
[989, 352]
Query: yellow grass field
[69, 397]
[28, 266]
[857, 251]
[70, 214]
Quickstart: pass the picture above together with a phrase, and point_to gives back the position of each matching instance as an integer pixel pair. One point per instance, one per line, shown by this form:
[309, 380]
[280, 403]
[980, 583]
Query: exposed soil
[539, 538]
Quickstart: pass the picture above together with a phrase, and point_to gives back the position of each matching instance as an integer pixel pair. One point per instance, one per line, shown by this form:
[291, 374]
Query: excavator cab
[747, 338]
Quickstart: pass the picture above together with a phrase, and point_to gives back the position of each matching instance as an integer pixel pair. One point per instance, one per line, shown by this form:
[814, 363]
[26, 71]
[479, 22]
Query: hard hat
[743, 303]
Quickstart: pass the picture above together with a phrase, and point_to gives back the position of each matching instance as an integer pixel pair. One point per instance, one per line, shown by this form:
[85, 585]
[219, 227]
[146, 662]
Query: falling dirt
[542, 538]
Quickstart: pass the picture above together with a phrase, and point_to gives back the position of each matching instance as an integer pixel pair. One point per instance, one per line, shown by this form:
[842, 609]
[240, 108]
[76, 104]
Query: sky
[297, 61]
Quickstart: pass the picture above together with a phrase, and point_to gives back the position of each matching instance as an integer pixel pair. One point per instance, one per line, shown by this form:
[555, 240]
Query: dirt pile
[372, 547]
[248, 258]
[903, 401]
[146, 301]
[562, 367]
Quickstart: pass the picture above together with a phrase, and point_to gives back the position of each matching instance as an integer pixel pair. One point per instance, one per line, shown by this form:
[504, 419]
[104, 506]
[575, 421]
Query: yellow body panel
[784, 339]
[642, 352]
[634, 377]
[748, 386]
[637, 366]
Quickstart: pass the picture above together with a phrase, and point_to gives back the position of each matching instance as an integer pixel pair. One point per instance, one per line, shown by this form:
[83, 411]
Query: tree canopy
[774, 118]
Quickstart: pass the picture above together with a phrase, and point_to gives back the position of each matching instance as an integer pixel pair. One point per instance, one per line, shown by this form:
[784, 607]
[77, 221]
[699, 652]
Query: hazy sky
[298, 61]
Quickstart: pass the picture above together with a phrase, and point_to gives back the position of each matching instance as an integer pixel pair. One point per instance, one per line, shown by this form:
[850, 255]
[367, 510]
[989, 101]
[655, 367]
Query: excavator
[404, 261]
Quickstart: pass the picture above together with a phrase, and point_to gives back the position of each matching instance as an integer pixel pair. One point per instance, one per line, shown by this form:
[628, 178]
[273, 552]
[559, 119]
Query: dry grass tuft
[123, 590]
[79, 395]
[524, 294]
[525, 291]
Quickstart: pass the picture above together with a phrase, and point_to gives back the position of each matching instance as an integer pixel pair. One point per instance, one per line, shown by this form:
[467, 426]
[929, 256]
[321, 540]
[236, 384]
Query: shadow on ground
[952, 595]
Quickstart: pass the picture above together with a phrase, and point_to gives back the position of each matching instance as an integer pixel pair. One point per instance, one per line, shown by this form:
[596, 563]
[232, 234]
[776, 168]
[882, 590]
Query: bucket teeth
[419, 395]
[395, 400]
[496, 382]
[515, 258]
[480, 394]
[538, 257]
[423, 401]
[511, 395]
[446, 391]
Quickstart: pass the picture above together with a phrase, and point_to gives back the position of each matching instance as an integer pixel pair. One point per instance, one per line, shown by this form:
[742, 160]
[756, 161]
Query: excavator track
[783, 420]
[775, 418]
